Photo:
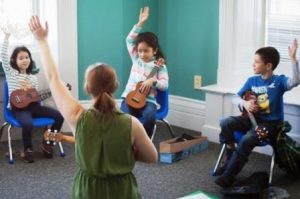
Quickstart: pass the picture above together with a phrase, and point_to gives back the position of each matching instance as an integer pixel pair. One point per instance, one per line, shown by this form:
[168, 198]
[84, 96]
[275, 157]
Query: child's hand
[146, 86]
[144, 14]
[160, 62]
[293, 50]
[251, 106]
[6, 32]
[36, 28]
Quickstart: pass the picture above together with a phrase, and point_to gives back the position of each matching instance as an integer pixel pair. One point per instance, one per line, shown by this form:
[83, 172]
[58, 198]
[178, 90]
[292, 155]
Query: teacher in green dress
[107, 141]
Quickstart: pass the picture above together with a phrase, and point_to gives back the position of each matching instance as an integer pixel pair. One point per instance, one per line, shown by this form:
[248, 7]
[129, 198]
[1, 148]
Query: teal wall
[187, 29]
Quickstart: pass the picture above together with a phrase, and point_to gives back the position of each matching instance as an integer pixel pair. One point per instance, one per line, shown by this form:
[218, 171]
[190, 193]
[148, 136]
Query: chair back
[162, 98]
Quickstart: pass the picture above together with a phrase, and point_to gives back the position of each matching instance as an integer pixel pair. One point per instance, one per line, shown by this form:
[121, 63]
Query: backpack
[287, 150]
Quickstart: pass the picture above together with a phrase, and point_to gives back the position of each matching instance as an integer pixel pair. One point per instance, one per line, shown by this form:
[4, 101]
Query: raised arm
[65, 102]
[4, 51]
[131, 37]
[295, 79]
[143, 148]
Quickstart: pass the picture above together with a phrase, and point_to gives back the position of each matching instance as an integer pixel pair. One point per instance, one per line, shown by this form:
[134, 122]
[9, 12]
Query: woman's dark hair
[269, 55]
[14, 55]
[152, 41]
[101, 82]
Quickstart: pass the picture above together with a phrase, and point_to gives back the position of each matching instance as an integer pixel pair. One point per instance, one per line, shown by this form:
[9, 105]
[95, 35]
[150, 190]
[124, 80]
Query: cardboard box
[171, 146]
[174, 157]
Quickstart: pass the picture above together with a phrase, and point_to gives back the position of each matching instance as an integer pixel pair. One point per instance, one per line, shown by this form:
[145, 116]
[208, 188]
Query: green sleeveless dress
[104, 154]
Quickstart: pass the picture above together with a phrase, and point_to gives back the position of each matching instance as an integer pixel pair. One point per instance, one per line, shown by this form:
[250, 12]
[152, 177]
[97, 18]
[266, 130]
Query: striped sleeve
[162, 78]
[4, 57]
[130, 41]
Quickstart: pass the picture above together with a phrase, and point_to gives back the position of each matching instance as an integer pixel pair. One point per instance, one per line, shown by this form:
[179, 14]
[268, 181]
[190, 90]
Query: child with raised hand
[18, 70]
[268, 89]
[108, 141]
[145, 54]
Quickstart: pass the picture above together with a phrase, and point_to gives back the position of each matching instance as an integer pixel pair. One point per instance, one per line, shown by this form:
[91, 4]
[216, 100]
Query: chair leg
[154, 132]
[169, 127]
[62, 153]
[219, 160]
[272, 168]
[11, 160]
[2, 127]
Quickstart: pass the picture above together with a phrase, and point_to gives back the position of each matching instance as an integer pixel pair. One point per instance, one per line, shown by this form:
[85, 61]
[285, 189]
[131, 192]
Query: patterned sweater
[14, 78]
[140, 70]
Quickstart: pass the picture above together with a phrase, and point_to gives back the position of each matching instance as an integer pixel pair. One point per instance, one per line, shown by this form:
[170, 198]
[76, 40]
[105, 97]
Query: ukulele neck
[44, 94]
[153, 72]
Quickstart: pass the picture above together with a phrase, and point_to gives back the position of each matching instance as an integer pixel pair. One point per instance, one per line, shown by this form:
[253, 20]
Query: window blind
[283, 25]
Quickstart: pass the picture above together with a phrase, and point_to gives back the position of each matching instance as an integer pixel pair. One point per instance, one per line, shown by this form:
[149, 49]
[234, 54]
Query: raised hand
[6, 32]
[36, 28]
[293, 50]
[144, 14]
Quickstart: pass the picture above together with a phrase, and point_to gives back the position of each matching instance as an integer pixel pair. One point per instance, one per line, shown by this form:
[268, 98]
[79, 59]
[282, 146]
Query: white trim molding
[186, 113]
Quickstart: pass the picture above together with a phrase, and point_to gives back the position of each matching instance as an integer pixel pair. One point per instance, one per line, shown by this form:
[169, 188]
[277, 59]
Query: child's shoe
[27, 156]
[47, 150]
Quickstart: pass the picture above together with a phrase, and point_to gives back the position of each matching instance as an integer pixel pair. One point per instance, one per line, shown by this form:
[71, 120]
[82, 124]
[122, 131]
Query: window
[246, 26]
[14, 14]
[283, 25]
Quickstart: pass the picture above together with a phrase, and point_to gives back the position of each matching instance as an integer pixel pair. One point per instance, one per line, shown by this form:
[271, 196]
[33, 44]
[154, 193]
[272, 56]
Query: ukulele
[21, 98]
[57, 137]
[137, 99]
[262, 132]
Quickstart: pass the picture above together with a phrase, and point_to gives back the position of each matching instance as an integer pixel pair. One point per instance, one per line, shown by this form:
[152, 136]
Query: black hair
[269, 55]
[13, 58]
[152, 40]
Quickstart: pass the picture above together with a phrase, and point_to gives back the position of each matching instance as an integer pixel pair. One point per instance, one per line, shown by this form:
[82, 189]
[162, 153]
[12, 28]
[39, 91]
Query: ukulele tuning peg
[48, 138]
[55, 132]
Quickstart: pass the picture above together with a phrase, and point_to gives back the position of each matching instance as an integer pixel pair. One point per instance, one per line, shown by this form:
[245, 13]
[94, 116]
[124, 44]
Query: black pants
[25, 116]
[248, 142]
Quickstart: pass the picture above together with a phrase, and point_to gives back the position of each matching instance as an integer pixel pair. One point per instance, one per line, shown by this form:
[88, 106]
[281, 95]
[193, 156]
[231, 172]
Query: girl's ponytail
[105, 104]
[101, 82]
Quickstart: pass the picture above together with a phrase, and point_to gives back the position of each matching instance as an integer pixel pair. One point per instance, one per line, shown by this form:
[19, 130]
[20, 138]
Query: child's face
[259, 65]
[23, 60]
[145, 52]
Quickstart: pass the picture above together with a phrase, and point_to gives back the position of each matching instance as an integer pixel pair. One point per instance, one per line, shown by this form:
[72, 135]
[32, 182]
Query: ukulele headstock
[262, 133]
[159, 62]
[52, 137]
[69, 86]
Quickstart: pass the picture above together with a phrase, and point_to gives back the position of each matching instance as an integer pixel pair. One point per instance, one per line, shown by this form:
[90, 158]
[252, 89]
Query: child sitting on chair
[268, 108]
[146, 56]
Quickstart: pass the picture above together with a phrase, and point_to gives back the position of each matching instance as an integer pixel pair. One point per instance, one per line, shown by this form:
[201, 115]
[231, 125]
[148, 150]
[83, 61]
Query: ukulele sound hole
[135, 100]
[28, 95]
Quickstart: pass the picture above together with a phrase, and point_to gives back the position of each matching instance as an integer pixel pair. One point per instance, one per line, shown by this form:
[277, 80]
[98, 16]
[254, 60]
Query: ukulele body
[20, 98]
[136, 99]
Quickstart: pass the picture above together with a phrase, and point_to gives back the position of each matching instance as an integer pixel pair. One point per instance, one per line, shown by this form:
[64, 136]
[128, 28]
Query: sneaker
[27, 156]
[47, 150]
[225, 181]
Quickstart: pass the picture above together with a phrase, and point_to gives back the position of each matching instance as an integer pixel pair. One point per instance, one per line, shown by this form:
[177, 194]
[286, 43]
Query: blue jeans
[25, 116]
[146, 115]
[247, 143]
